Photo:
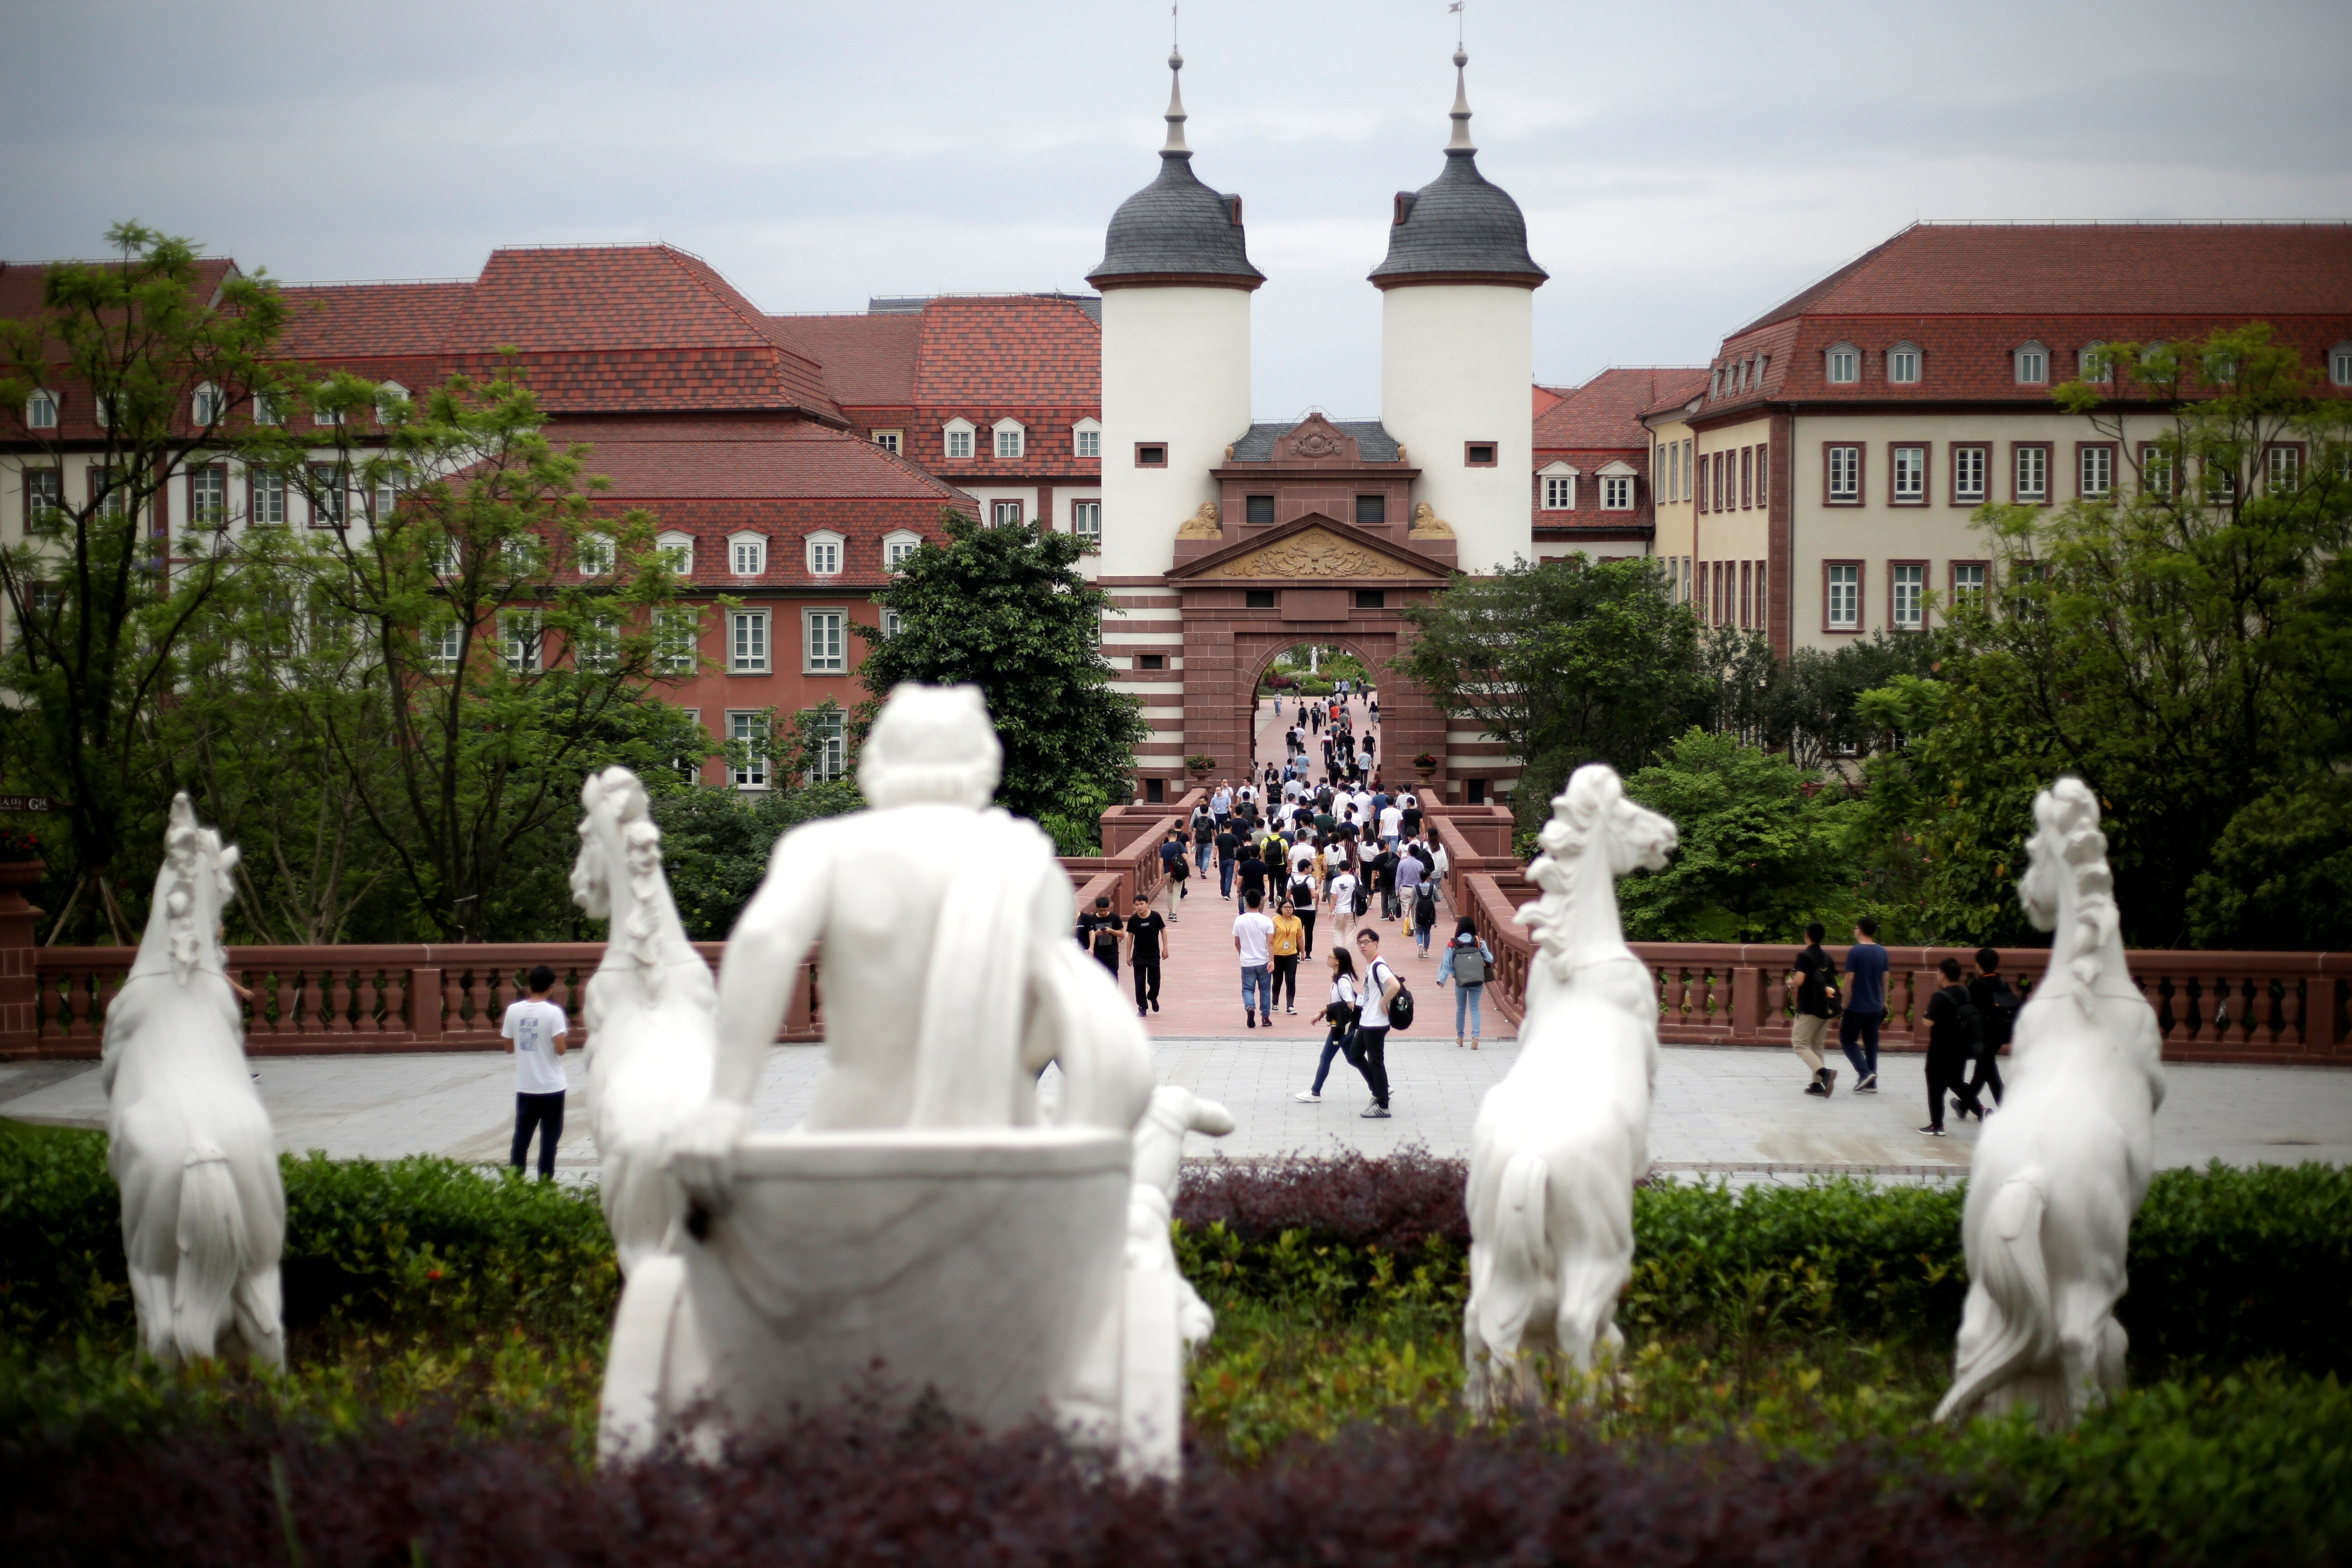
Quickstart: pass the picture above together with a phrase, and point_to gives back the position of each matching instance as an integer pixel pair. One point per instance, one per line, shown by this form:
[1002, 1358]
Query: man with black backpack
[1997, 1007]
[1381, 992]
[1952, 1037]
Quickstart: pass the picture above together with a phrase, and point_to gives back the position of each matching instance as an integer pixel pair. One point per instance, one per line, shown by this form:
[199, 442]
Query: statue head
[932, 743]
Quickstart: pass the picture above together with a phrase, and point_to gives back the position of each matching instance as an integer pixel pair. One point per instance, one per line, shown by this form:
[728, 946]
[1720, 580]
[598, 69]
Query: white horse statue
[652, 1013]
[188, 1142]
[2061, 1171]
[1560, 1142]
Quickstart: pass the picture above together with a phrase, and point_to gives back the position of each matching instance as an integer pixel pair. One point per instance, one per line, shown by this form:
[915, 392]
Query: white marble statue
[2061, 1167]
[652, 1013]
[188, 1142]
[1560, 1140]
[922, 1216]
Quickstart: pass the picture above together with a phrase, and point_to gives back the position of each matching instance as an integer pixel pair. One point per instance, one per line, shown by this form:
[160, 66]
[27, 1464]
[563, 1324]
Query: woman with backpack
[1467, 963]
[1339, 1013]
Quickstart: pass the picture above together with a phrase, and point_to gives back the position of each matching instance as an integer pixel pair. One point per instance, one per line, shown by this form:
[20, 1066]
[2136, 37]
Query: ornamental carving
[1427, 524]
[1313, 554]
[1202, 524]
[1318, 444]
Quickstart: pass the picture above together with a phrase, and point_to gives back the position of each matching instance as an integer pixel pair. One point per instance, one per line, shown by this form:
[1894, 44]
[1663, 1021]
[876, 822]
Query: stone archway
[1375, 671]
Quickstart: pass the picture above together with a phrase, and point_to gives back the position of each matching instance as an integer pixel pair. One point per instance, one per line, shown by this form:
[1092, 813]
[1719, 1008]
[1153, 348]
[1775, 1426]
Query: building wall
[1456, 361]
[1175, 370]
[1671, 501]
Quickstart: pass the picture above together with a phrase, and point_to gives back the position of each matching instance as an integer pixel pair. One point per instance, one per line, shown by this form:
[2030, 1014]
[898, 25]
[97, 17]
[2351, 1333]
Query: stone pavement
[1734, 1113]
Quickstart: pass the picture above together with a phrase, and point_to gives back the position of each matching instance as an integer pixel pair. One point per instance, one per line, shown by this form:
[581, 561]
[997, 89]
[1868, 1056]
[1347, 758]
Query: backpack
[1469, 964]
[1425, 906]
[2000, 1026]
[1966, 1016]
[1362, 900]
[1400, 1007]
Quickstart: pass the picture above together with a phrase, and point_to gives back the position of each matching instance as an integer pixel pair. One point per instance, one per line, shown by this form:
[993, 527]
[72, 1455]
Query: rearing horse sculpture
[1560, 1142]
[188, 1141]
[2061, 1170]
[652, 1012]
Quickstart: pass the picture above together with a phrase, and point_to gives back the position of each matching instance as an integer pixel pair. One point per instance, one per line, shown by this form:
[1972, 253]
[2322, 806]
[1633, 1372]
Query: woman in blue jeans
[1339, 1012]
[1467, 956]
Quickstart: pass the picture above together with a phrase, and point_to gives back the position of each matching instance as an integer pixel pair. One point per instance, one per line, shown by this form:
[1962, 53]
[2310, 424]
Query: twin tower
[1456, 352]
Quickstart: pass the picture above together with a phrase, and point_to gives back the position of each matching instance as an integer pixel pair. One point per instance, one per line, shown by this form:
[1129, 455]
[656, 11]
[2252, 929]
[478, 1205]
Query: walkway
[1738, 1113]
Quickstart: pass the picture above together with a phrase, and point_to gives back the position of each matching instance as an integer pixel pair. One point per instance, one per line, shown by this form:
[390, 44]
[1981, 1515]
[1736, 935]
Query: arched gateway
[1225, 541]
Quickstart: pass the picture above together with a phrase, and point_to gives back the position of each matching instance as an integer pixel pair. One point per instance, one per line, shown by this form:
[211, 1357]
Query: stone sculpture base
[874, 1263]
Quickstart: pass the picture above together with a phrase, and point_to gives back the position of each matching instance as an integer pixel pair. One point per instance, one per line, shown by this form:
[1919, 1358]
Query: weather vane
[1455, 11]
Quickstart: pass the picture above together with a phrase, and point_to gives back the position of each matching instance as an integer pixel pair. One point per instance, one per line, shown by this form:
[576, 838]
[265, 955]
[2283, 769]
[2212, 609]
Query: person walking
[1204, 838]
[1300, 891]
[1229, 845]
[1384, 878]
[1100, 933]
[1380, 988]
[1423, 907]
[1409, 874]
[1865, 1004]
[1817, 992]
[1220, 804]
[1176, 870]
[1146, 944]
[1467, 963]
[1339, 1018]
[1253, 941]
[1340, 893]
[1251, 871]
[1951, 1045]
[1289, 933]
[537, 1034]
[1997, 1007]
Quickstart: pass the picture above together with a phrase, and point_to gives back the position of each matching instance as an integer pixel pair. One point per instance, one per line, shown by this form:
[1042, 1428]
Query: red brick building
[1592, 481]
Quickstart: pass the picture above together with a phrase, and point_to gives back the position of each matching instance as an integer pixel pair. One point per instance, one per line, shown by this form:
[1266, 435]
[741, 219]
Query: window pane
[1086, 518]
[1909, 583]
[1846, 473]
[1845, 595]
[1089, 443]
[751, 730]
[825, 640]
[1968, 473]
[2033, 473]
[2099, 471]
[1910, 473]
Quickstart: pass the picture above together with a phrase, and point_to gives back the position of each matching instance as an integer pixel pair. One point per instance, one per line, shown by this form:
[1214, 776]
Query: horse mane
[185, 849]
[1574, 811]
[639, 935]
[2068, 813]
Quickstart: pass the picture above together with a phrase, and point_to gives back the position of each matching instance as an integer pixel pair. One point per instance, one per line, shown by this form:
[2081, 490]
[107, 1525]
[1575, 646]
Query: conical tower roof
[1460, 228]
[1176, 229]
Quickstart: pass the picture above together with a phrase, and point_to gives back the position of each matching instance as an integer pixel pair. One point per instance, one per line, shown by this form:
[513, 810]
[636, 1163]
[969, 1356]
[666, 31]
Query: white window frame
[2339, 365]
[1906, 365]
[956, 440]
[996, 505]
[1842, 358]
[1906, 596]
[208, 404]
[523, 641]
[386, 396]
[892, 441]
[747, 554]
[678, 639]
[2095, 472]
[1085, 438]
[827, 553]
[442, 653]
[677, 551]
[748, 726]
[2037, 461]
[197, 474]
[748, 643]
[2030, 364]
[2099, 376]
[1844, 611]
[824, 642]
[892, 622]
[593, 555]
[265, 490]
[1616, 492]
[1961, 490]
[1907, 474]
[39, 518]
[265, 411]
[42, 408]
[331, 495]
[1969, 579]
[2282, 468]
[1086, 518]
[898, 546]
[1844, 472]
[831, 733]
[1557, 489]
[1009, 439]
[596, 648]
[323, 416]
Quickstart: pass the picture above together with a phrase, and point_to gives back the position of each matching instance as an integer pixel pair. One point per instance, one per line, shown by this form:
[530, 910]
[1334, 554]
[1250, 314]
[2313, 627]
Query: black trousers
[1286, 979]
[1371, 1059]
[1988, 1075]
[1147, 984]
[1307, 924]
[545, 1114]
[1947, 1072]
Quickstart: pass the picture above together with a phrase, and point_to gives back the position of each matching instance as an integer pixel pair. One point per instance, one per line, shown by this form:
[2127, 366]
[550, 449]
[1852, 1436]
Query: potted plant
[21, 868]
[1199, 765]
[1425, 764]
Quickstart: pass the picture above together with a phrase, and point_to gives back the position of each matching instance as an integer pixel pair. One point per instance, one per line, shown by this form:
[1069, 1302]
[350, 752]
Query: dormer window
[388, 399]
[101, 408]
[1903, 365]
[2339, 365]
[957, 434]
[1845, 362]
[899, 548]
[265, 410]
[320, 415]
[825, 555]
[888, 440]
[41, 409]
[593, 555]
[1559, 486]
[2032, 362]
[209, 404]
[1085, 438]
[1617, 486]
[677, 553]
[1715, 383]
[1011, 437]
[747, 554]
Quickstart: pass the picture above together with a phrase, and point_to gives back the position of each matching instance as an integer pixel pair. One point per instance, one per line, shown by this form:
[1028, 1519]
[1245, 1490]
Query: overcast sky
[1682, 167]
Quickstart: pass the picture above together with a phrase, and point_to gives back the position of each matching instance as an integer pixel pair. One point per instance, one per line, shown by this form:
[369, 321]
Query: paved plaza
[1736, 1114]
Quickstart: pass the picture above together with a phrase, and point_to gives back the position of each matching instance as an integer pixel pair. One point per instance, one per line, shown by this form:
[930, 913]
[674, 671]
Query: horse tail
[1520, 1269]
[212, 1249]
[2010, 1324]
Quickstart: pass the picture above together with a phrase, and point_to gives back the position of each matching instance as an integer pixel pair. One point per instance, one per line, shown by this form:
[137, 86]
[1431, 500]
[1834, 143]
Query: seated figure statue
[924, 1224]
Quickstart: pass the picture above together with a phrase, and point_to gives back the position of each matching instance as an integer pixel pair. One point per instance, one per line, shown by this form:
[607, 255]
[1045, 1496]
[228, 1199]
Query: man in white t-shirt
[1253, 941]
[1379, 989]
[536, 1034]
[1391, 825]
[1339, 898]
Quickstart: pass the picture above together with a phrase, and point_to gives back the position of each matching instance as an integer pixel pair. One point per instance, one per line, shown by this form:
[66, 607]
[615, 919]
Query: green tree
[146, 364]
[1567, 662]
[1006, 609]
[1763, 849]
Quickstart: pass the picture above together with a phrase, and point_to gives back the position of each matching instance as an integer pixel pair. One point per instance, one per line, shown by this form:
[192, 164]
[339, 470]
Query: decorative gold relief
[1202, 524]
[1427, 524]
[1315, 553]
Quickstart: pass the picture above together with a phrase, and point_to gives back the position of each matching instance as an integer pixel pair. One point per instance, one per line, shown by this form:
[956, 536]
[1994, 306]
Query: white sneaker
[1308, 1097]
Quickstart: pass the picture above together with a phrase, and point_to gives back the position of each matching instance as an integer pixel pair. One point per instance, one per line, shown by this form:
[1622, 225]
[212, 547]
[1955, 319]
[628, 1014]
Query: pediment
[1313, 547]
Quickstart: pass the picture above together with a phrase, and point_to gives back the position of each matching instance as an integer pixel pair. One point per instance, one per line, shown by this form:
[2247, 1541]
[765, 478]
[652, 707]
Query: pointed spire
[1461, 143]
[1175, 106]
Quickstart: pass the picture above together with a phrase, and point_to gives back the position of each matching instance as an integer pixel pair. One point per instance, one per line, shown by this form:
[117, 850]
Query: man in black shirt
[1952, 1044]
[1099, 931]
[1229, 844]
[1997, 1007]
[1817, 1000]
[1253, 873]
[1146, 944]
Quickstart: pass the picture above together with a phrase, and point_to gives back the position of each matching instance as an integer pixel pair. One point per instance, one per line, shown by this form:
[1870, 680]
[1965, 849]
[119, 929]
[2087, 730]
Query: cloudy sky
[1682, 166]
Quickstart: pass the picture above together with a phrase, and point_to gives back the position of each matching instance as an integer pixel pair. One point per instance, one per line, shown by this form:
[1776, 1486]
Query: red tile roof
[21, 283]
[1008, 349]
[654, 461]
[869, 360]
[2236, 270]
[1605, 413]
[371, 320]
